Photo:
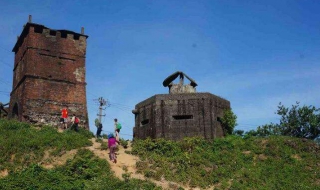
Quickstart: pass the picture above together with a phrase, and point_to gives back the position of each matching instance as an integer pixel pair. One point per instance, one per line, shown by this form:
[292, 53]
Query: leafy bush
[104, 146]
[228, 121]
[123, 143]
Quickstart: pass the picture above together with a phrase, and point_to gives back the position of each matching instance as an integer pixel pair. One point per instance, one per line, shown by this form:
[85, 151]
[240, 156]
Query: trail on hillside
[126, 163]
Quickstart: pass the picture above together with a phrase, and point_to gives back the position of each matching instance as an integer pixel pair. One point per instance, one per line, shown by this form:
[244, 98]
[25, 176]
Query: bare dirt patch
[4, 173]
[264, 143]
[296, 156]
[262, 157]
[50, 162]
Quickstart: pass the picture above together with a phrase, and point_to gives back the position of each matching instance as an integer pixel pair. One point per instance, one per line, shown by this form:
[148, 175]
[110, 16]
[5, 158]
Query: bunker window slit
[182, 117]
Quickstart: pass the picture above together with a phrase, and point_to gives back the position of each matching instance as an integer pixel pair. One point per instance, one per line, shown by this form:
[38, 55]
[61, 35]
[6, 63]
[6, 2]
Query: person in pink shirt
[112, 144]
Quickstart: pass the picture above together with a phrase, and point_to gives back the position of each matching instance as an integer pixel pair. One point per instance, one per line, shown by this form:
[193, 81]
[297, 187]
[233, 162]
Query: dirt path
[126, 163]
[124, 160]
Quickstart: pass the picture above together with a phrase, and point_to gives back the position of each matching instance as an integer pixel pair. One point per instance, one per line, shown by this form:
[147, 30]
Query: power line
[6, 64]
[120, 133]
[5, 49]
[123, 126]
[126, 110]
[4, 81]
[4, 94]
[121, 105]
[120, 108]
[91, 94]
[123, 108]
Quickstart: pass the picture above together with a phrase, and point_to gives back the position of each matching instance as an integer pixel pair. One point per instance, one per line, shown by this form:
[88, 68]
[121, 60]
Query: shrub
[123, 143]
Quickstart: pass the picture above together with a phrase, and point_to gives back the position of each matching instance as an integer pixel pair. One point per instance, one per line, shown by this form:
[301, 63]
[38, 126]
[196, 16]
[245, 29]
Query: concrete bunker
[181, 113]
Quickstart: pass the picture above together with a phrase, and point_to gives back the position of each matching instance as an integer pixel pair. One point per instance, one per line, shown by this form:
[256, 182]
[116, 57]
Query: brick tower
[49, 73]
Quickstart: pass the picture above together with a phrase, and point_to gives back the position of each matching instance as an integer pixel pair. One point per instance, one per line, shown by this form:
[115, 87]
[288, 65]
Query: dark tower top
[39, 29]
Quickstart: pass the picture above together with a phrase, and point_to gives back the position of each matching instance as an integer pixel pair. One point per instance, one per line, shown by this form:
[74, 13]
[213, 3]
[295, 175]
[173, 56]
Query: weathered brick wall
[52, 66]
[175, 116]
[17, 99]
[49, 73]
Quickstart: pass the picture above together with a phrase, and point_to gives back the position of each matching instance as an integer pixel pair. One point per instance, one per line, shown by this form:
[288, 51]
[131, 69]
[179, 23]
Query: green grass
[23, 146]
[123, 143]
[85, 171]
[232, 162]
[227, 163]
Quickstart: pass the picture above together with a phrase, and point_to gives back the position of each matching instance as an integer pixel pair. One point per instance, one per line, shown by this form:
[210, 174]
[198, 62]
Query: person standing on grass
[64, 117]
[99, 127]
[117, 127]
[75, 122]
[112, 144]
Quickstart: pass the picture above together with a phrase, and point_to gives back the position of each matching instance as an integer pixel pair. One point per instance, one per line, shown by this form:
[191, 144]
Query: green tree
[228, 121]
[268, 129]
[251, 133]
[298, 121]
[302, 122]
[238, 132]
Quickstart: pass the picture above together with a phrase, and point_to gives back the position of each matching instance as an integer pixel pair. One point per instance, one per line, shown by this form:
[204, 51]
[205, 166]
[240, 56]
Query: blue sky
[253, 53]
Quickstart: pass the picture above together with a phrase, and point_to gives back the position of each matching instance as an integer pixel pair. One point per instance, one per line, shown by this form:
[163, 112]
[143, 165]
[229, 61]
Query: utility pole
[102, 102]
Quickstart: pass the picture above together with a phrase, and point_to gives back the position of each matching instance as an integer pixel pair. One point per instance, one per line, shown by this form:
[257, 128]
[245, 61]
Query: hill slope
[42, 158]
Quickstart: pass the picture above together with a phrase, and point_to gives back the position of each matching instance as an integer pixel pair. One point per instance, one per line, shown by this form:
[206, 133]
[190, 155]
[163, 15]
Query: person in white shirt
[75, 122]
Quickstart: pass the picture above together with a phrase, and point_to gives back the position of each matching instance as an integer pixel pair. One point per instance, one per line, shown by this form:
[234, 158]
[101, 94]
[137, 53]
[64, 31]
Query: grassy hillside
[233, 162]
[226, 163]
[23, 148]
